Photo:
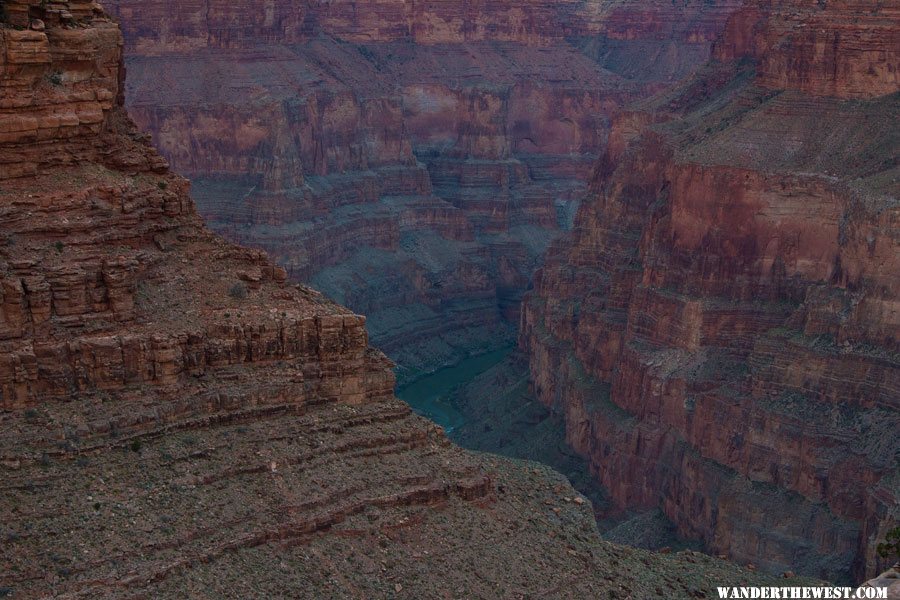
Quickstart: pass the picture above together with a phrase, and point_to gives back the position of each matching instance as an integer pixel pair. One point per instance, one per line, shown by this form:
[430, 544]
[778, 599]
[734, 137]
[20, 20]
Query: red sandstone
[721, 331]
[176, 420]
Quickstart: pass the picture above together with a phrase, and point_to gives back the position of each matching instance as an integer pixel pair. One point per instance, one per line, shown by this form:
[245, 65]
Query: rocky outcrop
[175, 419]
[889, 580]
[89, 269]
[721, 331]
[436, 147]
[51, 116]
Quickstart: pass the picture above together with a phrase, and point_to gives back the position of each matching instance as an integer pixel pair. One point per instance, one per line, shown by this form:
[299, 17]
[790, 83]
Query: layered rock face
[847, 49]
[412, 160]
[100, 242]
[176, 420]
[155, 29]
[721, 332]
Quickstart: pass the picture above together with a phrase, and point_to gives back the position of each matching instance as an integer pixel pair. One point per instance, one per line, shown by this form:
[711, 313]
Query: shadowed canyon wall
[178, 421]
[721, 330]
[412, 160]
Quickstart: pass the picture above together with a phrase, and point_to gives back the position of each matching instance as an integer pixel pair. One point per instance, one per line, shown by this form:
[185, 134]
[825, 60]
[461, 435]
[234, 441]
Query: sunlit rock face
[412, 160]
[721, 331]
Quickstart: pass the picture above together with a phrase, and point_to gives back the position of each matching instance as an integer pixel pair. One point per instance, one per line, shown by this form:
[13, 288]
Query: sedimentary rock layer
[154, 28]
[435, 147]
[176, 420]
[844, 49]
[722, 330]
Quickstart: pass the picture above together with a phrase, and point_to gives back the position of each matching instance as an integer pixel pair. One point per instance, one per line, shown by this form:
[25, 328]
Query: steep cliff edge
[176, 420]
[436, 148]
[721, 332]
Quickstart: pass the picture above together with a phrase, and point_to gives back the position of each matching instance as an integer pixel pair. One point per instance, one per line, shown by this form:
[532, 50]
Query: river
[430, 395]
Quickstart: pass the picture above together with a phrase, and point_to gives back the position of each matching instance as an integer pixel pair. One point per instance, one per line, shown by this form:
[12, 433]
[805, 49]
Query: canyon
[684, 215]
[178, 419]
[721, 330]
[410, 160]
[713, 187]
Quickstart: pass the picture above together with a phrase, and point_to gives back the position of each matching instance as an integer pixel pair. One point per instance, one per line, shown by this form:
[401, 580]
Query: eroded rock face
[844, 49]
[722, 330]
[155, 30]
[92, 294]
[412, 160]
[176, 420]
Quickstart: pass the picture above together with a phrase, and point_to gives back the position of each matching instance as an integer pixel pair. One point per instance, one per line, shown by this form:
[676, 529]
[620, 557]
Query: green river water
[430, 395]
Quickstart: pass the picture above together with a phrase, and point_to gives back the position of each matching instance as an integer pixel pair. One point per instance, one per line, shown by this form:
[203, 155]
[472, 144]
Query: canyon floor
[499, 414]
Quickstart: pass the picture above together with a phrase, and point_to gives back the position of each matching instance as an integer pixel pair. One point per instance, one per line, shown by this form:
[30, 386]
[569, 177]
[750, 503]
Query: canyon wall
[158, 29]
[177, 420]
[721, 331]
[845, 49]
[436, 148]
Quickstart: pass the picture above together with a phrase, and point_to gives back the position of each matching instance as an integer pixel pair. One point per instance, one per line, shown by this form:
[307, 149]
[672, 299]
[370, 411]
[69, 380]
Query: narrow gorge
[718, 332]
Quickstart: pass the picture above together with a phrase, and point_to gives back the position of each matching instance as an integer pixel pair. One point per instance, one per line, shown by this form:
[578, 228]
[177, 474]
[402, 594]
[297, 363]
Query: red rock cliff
[845, 49]
[436, 146]
[91, 217]
[721, 331]
[176, 420]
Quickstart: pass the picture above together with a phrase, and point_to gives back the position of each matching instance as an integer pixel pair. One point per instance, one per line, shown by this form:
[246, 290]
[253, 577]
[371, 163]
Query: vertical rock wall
[722, 330]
